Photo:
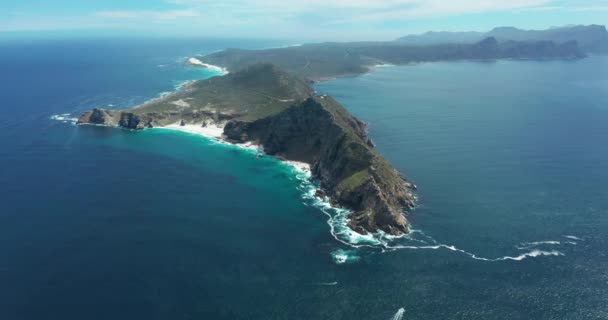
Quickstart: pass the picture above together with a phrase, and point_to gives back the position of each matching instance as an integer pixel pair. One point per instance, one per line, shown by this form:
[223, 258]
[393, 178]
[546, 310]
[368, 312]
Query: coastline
[214, 132]
[338, 217]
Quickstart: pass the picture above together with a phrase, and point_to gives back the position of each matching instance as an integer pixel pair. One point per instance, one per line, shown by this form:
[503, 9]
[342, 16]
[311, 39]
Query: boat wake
[399, 314]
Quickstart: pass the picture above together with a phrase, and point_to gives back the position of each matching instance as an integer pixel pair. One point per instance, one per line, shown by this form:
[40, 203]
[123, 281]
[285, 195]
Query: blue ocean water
[102, 223]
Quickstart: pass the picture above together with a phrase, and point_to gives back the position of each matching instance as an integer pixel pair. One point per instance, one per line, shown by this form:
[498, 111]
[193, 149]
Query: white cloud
[363, 9]
[149, 15]
[327, 19]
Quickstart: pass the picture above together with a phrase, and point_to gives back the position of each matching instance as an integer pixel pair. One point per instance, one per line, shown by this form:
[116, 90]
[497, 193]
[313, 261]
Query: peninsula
[264, 105]
[267, 100]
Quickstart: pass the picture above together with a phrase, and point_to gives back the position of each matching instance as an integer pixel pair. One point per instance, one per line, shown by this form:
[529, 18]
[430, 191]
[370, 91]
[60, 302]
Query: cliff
[267, 106]
[321, 132]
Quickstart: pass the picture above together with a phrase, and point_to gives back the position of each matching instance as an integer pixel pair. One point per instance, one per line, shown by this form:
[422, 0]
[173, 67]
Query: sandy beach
[215, 132]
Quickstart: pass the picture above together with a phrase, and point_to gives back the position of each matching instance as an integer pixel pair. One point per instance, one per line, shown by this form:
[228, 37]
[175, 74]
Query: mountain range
[591, 38]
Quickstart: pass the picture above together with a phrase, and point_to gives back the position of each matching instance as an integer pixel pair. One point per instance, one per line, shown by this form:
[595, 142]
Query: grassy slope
[255, 92]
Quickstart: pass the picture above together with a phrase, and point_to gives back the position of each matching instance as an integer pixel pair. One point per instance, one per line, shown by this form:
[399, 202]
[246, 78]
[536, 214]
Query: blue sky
[295, 19]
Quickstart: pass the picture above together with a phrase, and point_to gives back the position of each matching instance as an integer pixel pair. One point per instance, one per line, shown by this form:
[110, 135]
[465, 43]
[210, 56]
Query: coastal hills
[323, 61]
[591, 39]
[266, 106]
[267, 100]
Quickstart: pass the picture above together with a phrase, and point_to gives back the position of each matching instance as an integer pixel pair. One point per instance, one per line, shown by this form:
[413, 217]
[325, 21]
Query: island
[267, 100]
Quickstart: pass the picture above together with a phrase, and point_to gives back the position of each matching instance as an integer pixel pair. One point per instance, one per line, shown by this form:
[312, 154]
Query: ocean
[103, 223]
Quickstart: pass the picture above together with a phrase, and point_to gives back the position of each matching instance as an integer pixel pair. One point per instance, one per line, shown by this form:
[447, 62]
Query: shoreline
[215, 132]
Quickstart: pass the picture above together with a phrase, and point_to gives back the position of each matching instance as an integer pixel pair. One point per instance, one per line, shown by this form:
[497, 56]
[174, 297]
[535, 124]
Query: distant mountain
[592, 38]
[441, 37]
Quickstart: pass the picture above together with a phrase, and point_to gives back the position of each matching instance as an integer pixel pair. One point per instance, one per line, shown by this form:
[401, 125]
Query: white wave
[335, 283]
[303, 166]
[66, 118]
[338, 224]
[528, 245]
[574, 238]
[399, 314]
[531, 254]
[181, 84]
[197, 62]
[341, 256]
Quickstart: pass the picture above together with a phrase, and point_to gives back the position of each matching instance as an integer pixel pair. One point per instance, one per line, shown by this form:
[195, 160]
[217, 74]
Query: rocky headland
[278, 111]
[260, 103]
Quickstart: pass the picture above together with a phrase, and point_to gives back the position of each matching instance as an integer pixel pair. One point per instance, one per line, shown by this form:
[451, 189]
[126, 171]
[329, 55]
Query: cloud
[148, 15]
[362, 10]
[328, 19]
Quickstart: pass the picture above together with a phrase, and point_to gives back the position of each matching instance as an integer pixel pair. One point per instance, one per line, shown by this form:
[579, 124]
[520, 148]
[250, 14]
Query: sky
[289, 19]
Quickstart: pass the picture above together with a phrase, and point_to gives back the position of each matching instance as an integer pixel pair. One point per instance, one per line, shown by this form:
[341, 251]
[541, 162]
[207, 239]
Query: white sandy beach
[210, 131]
[214, 131]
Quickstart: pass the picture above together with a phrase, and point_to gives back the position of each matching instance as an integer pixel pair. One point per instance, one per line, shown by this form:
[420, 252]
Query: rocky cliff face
[321, 132]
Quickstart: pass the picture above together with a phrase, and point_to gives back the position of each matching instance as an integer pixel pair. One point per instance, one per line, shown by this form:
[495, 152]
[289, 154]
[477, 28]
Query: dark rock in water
[130, 121]
[320, 194]
[100, 117]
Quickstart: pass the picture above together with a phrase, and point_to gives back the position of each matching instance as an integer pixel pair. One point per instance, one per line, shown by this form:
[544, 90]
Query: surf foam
[65, 118]
[197, 62]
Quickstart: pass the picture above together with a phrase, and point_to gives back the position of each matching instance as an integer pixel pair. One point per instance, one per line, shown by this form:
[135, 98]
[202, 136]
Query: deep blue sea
[510, 158]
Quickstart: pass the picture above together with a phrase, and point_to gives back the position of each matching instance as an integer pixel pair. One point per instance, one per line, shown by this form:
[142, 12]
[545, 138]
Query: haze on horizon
[306, 20]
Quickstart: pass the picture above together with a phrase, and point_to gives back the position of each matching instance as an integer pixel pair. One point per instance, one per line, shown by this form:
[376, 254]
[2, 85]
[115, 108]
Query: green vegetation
[328, 60]
[355, 180]
[256, 92]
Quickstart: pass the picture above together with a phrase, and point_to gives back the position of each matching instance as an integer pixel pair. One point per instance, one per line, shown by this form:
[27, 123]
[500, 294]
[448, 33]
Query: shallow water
[105, 223]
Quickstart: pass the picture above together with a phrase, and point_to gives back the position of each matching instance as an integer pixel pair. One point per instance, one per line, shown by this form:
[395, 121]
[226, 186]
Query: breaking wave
[337, 219]
[65, 118]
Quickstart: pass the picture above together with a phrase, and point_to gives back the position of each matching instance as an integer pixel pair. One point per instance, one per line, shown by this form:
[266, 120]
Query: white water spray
[399, 314]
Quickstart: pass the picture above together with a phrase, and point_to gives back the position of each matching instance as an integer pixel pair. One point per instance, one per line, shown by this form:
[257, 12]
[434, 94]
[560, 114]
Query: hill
[329, 60]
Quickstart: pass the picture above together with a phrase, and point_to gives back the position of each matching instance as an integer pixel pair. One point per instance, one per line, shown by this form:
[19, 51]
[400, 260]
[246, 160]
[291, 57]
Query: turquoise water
[102, 223]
